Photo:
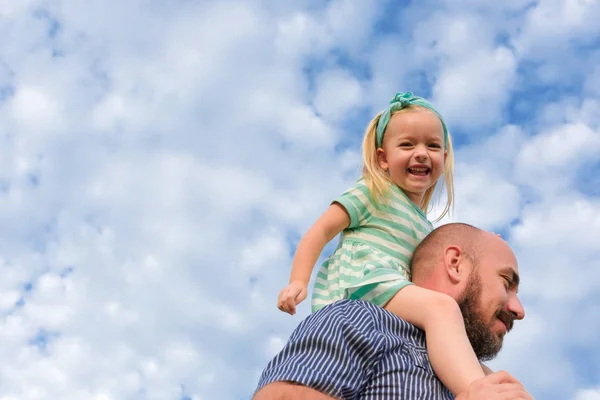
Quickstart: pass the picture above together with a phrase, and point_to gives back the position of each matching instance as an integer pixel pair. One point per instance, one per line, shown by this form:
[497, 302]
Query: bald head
[479, 270]
[431, 249]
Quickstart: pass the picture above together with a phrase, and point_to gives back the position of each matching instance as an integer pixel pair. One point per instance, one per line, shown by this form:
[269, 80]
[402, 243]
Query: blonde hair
[378, 181]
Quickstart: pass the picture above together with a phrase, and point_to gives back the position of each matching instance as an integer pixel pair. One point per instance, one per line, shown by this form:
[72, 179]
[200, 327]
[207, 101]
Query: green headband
[400, 101]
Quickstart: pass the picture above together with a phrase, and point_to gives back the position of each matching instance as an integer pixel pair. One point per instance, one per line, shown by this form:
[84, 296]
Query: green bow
[400, 101]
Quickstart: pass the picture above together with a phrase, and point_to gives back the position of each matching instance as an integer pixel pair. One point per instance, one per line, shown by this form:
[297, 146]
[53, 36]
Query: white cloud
[549, 268]
[485, 195]
[551, 24]
[457, 91]
[337, 93]
[554, 159]
[454, 36]
[342, 24]
[302, 126]
[568, 144]
[577, 232]
[485, 199]
[587, 394]
[34, 109]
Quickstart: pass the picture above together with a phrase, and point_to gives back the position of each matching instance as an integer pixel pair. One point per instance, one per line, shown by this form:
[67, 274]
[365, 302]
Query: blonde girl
[382, 219]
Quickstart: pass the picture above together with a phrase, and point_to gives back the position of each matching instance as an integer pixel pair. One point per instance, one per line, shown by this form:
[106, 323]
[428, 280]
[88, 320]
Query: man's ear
[453, 258]
[382, 159]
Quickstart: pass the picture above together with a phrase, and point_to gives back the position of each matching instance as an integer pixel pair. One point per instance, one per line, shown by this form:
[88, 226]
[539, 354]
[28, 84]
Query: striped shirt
[353, 349]
[395, 227]
[372, 260]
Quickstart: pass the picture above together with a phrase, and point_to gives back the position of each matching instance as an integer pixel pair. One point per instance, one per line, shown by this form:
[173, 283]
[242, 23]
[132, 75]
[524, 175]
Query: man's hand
[497, 386]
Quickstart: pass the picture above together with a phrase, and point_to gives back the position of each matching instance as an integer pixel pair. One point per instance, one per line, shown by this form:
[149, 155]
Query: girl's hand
[290, 296]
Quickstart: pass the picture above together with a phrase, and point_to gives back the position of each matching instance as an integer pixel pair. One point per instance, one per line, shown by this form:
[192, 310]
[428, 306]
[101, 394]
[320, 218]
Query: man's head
[479, 270]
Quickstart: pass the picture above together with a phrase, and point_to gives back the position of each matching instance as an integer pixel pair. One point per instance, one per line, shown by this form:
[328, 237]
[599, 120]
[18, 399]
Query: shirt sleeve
[332, 351]
[358, 203]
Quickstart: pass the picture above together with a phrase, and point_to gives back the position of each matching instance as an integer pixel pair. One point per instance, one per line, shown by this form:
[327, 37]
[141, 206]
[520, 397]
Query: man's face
[489, 302]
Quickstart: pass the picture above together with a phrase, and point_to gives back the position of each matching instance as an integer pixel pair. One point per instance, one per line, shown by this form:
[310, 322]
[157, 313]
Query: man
[353, 349]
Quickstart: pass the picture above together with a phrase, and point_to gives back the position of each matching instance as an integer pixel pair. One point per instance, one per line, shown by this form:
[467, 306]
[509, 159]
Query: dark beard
[486, 344]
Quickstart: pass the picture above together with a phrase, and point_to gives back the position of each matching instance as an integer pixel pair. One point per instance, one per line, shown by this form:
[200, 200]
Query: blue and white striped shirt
[353, 349]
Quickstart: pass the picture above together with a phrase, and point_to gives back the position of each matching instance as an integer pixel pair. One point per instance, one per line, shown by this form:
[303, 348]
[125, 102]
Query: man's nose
[515, 307]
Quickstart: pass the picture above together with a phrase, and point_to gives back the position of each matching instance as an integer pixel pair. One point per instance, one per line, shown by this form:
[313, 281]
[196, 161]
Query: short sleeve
[358, 202]
[332, 351]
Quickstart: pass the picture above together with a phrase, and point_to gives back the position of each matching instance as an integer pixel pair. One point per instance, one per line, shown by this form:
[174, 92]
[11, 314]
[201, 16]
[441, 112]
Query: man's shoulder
[352, 347]
[358, 312]
[401, 352]
[395, 334]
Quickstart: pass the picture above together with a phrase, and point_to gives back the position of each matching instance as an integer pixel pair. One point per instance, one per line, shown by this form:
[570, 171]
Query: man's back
[353, 349]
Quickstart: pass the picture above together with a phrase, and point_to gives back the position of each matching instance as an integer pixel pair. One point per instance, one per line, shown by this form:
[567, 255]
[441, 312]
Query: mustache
[507, 317]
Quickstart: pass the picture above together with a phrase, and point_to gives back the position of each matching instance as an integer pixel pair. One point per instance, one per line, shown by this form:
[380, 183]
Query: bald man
[355, 350]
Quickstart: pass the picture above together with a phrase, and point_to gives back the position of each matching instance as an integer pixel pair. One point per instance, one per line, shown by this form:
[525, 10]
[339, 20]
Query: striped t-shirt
[395, 227]
[372, 260]
[356, 350]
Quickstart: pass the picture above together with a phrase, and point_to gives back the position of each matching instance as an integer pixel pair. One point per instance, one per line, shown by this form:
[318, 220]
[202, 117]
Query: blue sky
[159, 161]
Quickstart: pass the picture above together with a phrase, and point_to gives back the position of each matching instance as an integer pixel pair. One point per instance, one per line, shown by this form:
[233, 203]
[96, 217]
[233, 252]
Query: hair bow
[400, 101]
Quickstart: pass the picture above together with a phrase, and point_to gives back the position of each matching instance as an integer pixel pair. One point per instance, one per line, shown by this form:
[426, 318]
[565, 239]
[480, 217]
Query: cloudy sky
[159, 161]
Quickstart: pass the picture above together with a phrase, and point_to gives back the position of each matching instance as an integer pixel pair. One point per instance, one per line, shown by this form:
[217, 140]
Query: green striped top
[394, 227]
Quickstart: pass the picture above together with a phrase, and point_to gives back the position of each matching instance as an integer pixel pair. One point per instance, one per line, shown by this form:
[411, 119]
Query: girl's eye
[435, 146]
[405, 144]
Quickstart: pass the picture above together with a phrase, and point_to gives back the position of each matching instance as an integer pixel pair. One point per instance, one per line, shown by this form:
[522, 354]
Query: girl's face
[413, 151]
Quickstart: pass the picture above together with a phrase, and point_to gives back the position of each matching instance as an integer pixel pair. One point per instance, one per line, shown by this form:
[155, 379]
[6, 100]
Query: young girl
[382, 219]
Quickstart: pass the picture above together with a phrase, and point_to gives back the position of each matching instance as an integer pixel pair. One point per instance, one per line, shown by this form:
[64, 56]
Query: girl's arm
[450, 352]
[334, 220]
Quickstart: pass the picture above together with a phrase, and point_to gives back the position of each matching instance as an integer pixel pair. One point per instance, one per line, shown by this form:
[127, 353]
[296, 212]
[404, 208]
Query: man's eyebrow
[514, 276]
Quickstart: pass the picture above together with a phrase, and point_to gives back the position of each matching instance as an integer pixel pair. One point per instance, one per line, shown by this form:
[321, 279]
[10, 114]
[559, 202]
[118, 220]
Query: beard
[485, 343]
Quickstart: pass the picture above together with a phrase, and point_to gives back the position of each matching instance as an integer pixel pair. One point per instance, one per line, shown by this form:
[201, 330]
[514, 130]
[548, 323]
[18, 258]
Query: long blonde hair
[378, 180]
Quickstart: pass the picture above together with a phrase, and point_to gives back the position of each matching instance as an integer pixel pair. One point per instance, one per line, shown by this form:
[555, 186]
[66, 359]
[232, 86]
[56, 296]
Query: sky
[160, 160]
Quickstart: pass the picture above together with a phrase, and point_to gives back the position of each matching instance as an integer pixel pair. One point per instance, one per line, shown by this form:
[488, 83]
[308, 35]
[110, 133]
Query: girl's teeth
[419, 171]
